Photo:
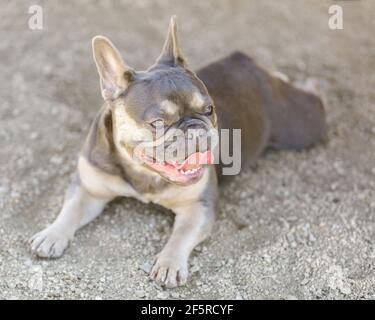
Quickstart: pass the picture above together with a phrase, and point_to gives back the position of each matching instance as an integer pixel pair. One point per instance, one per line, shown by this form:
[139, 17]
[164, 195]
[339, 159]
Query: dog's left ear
[115, 75]
[171, 53]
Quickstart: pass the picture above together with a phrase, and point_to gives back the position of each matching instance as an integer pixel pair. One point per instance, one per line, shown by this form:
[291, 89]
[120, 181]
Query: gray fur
[269, 111]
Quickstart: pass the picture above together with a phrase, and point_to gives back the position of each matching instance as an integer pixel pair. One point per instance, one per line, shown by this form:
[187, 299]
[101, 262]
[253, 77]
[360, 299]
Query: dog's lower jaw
[181, 173]
[185, 180]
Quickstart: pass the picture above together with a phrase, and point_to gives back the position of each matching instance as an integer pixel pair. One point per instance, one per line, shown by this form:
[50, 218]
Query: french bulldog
[143, 107]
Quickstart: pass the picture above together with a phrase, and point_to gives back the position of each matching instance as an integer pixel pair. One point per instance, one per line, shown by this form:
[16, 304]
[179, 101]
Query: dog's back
[268, 110]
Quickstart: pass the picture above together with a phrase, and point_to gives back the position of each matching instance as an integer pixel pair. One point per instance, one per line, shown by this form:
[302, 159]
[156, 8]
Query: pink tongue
[196, 159]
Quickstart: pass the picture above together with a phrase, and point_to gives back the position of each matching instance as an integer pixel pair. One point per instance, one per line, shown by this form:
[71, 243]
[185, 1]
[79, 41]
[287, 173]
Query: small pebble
[175, 295]
[140, 293]
[162, 295]
[56, 159]
[146, 267]
[34, 135]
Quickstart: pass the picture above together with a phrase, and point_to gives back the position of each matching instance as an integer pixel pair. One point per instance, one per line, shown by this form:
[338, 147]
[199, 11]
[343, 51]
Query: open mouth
[188, 169]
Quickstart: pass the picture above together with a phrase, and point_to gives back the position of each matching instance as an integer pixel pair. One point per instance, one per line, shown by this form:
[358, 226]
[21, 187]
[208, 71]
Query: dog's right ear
[114, 74]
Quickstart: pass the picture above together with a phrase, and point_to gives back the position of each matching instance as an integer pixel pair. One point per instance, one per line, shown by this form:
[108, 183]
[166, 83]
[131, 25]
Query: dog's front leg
[79, 208]
[192, 225]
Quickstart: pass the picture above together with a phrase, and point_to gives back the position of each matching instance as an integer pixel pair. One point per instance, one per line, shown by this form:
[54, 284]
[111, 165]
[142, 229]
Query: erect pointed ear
[114, 74]
[171, 53]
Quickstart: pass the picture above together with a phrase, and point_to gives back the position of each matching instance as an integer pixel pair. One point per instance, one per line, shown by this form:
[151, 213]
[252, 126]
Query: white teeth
[187, 172]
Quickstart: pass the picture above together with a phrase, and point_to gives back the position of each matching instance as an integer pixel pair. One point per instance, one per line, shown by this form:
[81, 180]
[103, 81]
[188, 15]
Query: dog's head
[162, 117]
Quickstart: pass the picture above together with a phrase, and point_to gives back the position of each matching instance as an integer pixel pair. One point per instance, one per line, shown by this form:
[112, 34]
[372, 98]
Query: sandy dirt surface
[300, 225]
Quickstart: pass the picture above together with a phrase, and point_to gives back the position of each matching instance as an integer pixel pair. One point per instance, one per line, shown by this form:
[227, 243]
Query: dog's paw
[49, 243]
[169, 271]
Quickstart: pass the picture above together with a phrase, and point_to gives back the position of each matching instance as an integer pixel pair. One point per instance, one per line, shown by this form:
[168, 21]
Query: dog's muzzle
[183, 153]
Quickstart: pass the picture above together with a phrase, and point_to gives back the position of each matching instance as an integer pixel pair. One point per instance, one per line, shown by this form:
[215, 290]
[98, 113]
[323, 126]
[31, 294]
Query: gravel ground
[301, 225]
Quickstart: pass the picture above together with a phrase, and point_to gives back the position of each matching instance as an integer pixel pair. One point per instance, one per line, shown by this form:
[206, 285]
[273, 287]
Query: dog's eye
[208, 110]
[158, 124]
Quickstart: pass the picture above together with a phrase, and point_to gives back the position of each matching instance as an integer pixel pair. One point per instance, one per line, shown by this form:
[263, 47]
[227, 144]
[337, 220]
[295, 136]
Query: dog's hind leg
[79, 208]
[297, 116]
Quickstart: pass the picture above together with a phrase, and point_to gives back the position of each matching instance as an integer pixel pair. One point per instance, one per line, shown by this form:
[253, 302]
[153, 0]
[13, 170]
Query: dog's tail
[297, 115]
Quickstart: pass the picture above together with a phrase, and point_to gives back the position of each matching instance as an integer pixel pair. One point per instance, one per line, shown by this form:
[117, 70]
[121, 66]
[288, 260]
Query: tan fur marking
[197, 101]
[125, 127]
[169, 107]
[280, 75]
